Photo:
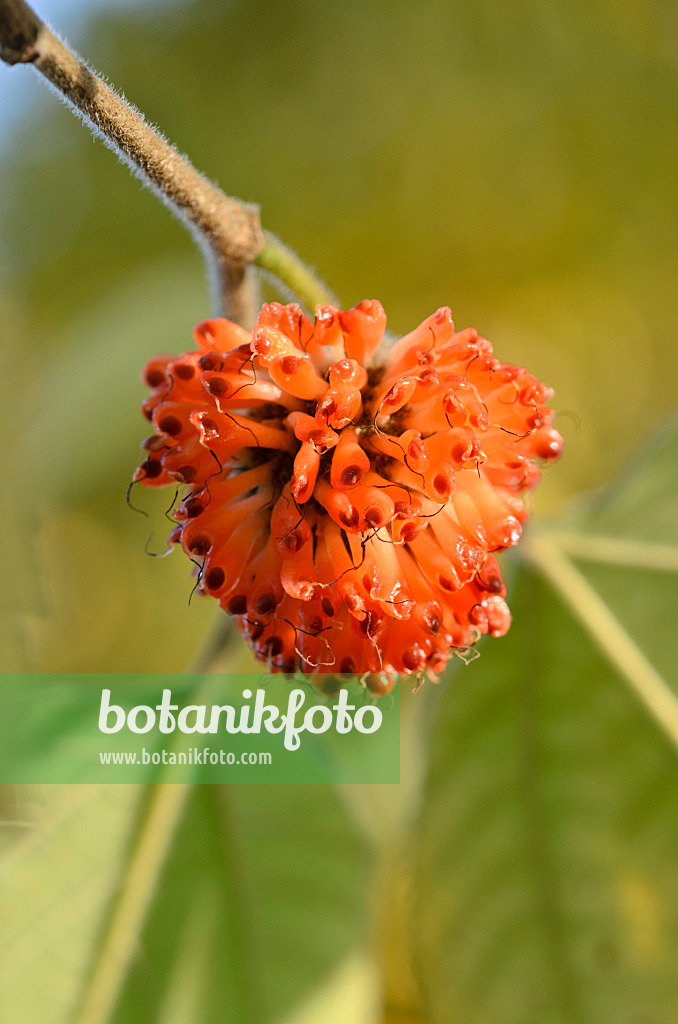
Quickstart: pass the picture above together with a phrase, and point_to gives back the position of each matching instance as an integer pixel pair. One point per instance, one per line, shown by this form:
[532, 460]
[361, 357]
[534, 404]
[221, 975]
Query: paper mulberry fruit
[346, 494]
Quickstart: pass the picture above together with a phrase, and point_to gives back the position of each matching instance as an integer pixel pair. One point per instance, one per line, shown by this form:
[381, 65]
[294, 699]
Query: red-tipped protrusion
[342, 499]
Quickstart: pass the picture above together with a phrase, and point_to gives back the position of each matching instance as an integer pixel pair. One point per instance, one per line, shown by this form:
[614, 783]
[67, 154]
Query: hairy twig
[228, 231]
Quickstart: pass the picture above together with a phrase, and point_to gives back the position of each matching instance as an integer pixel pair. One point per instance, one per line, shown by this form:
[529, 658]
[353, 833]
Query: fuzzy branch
[228, 231]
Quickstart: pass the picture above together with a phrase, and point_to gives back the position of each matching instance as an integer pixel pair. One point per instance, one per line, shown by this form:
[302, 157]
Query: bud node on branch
[228, 230]
[19, 29]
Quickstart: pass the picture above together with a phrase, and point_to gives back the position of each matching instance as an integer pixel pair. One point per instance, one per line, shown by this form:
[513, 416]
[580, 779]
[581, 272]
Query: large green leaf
[547, 881]
[243, 912]
[62, 851]
[245, 920]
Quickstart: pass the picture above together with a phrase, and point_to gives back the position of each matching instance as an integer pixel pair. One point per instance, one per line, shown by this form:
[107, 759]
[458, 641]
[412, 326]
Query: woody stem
[228, 230]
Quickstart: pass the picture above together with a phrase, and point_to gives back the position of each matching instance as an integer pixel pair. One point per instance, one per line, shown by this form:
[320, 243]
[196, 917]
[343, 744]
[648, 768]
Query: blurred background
[516, 161]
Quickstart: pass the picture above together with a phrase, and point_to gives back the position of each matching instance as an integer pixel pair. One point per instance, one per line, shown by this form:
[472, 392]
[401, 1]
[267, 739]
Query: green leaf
[251, 911]
[243, 912]
[643, 506]
[547, 886]
[60, 862]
